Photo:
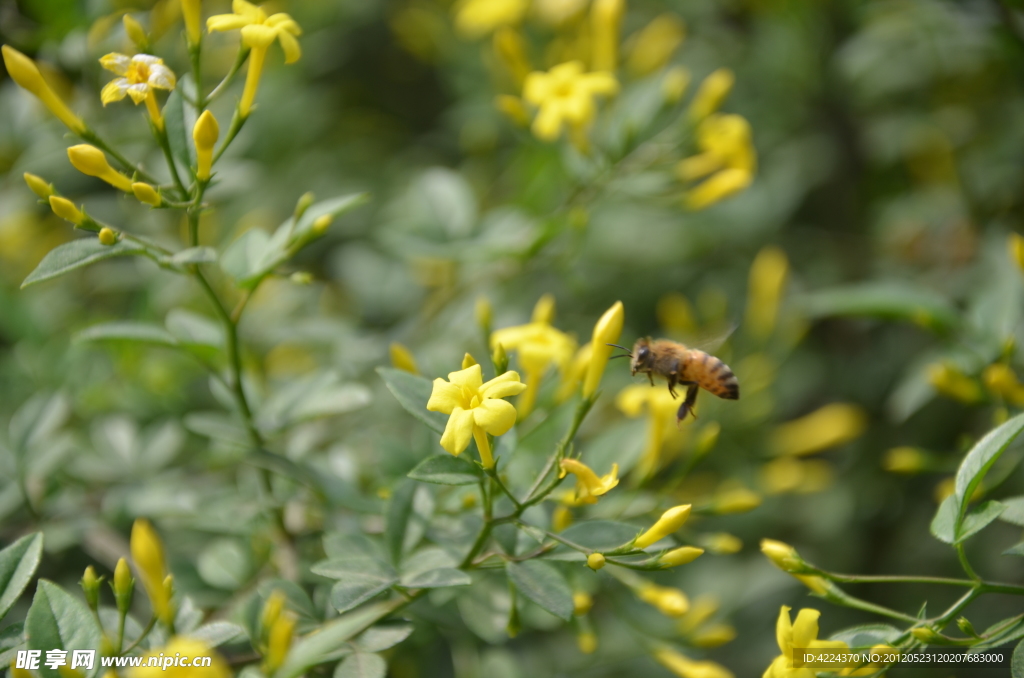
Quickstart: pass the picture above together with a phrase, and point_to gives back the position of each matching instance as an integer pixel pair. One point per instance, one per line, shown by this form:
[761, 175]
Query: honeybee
[684, 366]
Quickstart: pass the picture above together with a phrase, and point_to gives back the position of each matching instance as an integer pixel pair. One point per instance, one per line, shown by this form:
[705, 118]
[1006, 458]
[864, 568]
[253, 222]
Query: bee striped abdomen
[713, 375]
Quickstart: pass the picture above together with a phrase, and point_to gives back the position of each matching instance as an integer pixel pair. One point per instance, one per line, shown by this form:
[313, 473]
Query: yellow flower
[722, 543]
[714, 636]
[272, 610]
[826, 427]
[259, 31]
[661, 417]
[146, 194]
[655, 44]
[39, 186]
[684, 667]
[565, 97]
[140, 76]
[905, 459]
[555, 12]
[279, 640]
[605, 21]
[539, 345]
[803, 634]
[25, 72]
[1015, 246]
[735, 500]
[924, 634]
[766, 286]
[192, 13]
[185, 647]
[205, 134]
[402, 358]
[950, 381]
[574, 373]
[711, 93]
[1001, 380]
[476, 409]
[727, 155]
[148, 555]
[607, 331]
[671, 602]
[670, 521]
[477, 18]
[595, 561]
[581, 603]
[680, 556]
[65, 209]
[588, 486]
[91, 161]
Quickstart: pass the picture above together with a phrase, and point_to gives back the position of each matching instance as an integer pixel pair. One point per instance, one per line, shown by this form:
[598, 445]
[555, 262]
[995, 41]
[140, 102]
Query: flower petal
[495, 416]
[458, 432]
[632, 399]
[115, 90]
[147, 59]
[258, 36]
[502, 386]
[161, 77]
[471, 378]
[445, 397]
[283, 22]
[805, 628]
[247, 10]
[226, 22]
[118, 63]
[548, 123]
[537, 87]
[138, 92]
[784, 630]
[292, 51]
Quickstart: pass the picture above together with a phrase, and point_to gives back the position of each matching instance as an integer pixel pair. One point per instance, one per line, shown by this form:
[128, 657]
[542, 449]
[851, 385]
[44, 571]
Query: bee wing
[711, 339]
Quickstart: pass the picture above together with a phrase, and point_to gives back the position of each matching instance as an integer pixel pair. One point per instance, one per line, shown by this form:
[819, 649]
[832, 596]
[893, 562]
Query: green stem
[236, 125]
[120, 629]
[142, 636]
[856, 603]
[194, 52]
[243, 54]
[956, 607]
[536, 494]
[893, 579]
[165, 146]
[493, 473]
[965, 564]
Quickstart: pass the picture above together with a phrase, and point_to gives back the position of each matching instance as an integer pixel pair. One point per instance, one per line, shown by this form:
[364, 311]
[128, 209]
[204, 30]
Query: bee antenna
[622, 347]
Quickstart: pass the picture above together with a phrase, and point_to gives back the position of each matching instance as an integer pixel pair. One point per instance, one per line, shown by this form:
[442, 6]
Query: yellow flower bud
[674, 85]
[468, 361]
[124, 586]
[148, 555]
[605, 21]
[587, 642]
[1016, 247]
[816, 584]
[680, 556]
[654, 45]
[65, 209]
[671, 602]
[205, 134]
[322, 223]
[91, 587]
[782, 555]
[25, 72]
[469, 500]
[192, 12]
[136, 33]
[483, 313]
[670, 521]
[561, 518]
[303, 204]
[722, 543]
[718, 187]
[595, 561]
[905, 459]
[108, 236]
[606, 331]
[826, 427]
[402, 358]
[581, 603]
[91, 161]
[711, 94]
[272, 610]
[714, 636]
[951, 382]
[737, 500]
[1002, 381]
[146, 194]
[684, 667]
[924, 634]
[766, 286]
[278, 643]
[500, 359]
[38, 185]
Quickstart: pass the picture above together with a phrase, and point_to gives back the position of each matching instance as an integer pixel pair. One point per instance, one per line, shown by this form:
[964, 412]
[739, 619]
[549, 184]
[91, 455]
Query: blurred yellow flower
[477, 18]
[136, 33]
[661, 409]
[670, 521]
[581, 603]
[653, 46]
[476, 409]
[573, 375]
[803, 634]
[787, 474]
[279, 640]
[1015, 245]
[25, 72]
[703, 608]
[948, 380]
[674, 85]
[192, 13]
[733, 498]
[259, 31]
[1002, 381]
[684, 667]
[510, 49]
[605, 22]
[766, 286]
[564, 97]
[148, 556]
[141, 75]
[675, 313]
[555, 12]
[714, 635]
[671, 602]
[588, 485]
[402, 358]
[185, 647]
[905, 459]
[561, 518]
[587, 642]
[711, 93]
[727, 157]
[722, 543]
[607, 330]
[826, 427]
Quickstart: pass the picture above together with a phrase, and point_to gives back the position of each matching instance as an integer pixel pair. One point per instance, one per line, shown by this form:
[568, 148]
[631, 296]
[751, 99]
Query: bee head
[641, 356]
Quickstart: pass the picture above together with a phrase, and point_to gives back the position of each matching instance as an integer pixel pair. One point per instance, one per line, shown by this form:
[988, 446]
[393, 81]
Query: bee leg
[688, 404]
[651, 377]
[672, 381]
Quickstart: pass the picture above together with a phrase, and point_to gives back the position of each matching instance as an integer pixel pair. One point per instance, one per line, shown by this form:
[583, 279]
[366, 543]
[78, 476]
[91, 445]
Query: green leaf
[225, 564]
[342, 545]
[1017, 662]
[867, 635]
[193, 255]
[11, 640]
[321, 395]
[77, 254]
[445, 469]
[1016, 550]
[542, 583]
[217, 633]
[239, 259]
[345, 567]
[58, 620]
[413, 392]
[436, 579]
[943, 525]
[332, 206]
[383, 636]
[298, 599]
[194, 330]
[978, 519]
[399, 512]
[18, 563]
[1014, 512]
[358, 587]
[886, 300]
[981, 458]
[128, 330]
[315, 647]
[362, 665]
[178, 131]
